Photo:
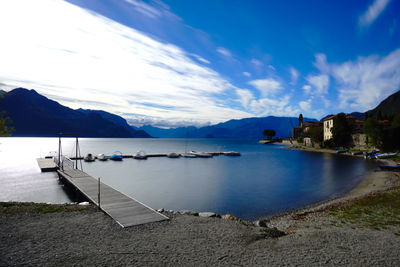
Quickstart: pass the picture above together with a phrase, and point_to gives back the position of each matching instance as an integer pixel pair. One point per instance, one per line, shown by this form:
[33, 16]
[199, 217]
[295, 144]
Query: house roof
[333, 116]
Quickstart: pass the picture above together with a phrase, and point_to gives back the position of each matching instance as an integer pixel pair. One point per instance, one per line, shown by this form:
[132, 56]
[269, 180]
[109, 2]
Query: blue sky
[173, 62]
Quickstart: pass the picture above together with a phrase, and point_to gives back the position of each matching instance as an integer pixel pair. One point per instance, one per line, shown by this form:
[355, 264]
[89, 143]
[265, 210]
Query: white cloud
[245, 97]
[373, 12]
[257, 63]
[199, 58]
[305, 105]
[271, 67]
[247, 74]
[294, 75]
[81, 58]
[321, 63]
[223, 51]
[144, 8]
[307, 89]
[319, 82]
[364, 83]
[277, 107]
[267, 86]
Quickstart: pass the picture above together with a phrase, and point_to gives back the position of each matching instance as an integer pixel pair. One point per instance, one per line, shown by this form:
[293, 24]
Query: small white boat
[102, 157]
[385, 155]
[231, 153]
[89, 158]
[140, 155]
[201, 154]
[189, 155]
[173, 155]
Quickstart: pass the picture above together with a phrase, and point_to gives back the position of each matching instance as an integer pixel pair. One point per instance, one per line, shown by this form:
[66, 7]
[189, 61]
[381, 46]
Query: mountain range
[36, 115]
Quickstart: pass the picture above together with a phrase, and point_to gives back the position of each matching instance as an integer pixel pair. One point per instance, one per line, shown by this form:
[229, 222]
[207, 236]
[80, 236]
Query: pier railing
[64, 162]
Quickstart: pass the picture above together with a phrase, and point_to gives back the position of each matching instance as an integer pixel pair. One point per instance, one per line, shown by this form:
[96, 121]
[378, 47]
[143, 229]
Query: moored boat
[189, 155]
[173, 155]
[385, 155]
[89, 158]
[342, 151]
[117, 156]
[231, 153]
[140, 155]
[201, 154]
[102, 157]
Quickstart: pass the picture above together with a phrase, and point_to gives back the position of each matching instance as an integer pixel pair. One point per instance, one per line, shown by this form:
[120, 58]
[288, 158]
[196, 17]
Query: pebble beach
[304, 238]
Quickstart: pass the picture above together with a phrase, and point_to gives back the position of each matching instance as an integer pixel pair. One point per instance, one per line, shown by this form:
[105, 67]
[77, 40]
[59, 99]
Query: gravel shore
[90, 238]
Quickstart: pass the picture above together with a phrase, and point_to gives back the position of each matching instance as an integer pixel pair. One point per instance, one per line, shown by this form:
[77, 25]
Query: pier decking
[47, 165]
[124, 210]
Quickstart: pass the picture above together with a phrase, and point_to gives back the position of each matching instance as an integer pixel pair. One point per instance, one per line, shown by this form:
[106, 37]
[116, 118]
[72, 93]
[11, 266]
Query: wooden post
[98, 196]
[76, 153]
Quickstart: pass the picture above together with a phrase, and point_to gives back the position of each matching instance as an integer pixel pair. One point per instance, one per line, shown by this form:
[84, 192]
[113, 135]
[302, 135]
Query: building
[304, 127]
[328, 125]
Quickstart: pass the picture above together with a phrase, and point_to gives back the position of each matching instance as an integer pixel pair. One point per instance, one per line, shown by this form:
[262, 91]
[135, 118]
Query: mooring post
[98, 196]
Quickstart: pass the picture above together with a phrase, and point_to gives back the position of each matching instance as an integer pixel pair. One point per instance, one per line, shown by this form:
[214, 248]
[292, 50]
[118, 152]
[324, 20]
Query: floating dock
[125, 210]
[47, 165]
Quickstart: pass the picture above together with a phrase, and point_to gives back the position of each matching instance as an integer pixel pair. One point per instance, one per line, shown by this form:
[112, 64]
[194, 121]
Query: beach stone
[272, 232]
[207, 214]
[261, 223]
[189, 212]
[229, 217]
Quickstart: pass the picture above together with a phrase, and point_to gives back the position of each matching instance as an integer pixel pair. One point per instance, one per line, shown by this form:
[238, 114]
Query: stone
[229, 217]
[207, 214]
[160, 210]
[189, 212]
[84, 203]
[261, 223]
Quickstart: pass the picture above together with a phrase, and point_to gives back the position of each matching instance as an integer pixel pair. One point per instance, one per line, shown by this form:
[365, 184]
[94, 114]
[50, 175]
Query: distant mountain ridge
[36, 115]
[248, 128]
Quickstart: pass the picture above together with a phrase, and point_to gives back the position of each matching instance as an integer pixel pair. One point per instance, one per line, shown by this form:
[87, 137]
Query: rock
[261, 223]
[229, 217]
[272, 232]
[189, 212]
[207, 214]
[84, 203]
[160, 210]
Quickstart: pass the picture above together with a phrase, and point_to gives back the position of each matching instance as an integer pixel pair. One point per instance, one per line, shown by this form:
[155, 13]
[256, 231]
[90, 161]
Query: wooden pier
[125, 210]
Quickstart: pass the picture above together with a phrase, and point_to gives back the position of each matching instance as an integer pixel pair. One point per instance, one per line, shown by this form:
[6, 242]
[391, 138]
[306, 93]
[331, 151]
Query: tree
[373, 130]
[5, 124]
[341, 131]
[269, 133]
[5, 128]
[316, 134]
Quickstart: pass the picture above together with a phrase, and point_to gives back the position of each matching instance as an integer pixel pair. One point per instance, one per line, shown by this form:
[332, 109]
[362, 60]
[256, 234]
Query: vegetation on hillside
[384, 135]
[5, 124]
[269, 133]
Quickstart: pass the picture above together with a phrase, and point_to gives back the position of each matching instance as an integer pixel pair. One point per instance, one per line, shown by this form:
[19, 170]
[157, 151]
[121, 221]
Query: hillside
[35, 115]
[387, 108]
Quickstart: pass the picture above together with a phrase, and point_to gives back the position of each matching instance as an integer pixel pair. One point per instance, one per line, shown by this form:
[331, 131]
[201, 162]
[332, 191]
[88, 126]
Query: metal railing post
[98, 196]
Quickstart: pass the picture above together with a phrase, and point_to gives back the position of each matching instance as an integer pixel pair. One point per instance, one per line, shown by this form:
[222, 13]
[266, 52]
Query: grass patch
[40, 208]
[377, 211]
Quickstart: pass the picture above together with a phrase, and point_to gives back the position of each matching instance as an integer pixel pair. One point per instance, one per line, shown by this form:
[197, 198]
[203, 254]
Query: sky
[173, 63]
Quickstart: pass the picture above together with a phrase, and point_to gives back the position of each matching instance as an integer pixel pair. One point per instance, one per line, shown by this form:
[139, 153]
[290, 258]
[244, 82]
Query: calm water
[265, 180]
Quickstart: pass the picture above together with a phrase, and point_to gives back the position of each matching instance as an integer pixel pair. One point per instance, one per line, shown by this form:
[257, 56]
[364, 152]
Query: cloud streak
[373, 12]
[93, 60]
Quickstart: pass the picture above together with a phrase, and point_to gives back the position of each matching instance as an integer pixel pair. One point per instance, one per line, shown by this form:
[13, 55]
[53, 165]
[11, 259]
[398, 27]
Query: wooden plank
[47, 165]
[125, 210]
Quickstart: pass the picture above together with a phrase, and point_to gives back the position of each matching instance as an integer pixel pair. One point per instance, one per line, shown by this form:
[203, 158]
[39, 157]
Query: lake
[264, 180]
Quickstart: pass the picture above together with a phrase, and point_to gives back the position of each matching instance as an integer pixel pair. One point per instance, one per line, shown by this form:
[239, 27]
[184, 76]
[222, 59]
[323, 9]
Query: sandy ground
[90, 238]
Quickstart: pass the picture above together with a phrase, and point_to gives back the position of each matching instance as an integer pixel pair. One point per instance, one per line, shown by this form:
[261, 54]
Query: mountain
[118, 121]
[249, 128]
[35, 115]
[387, 109]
